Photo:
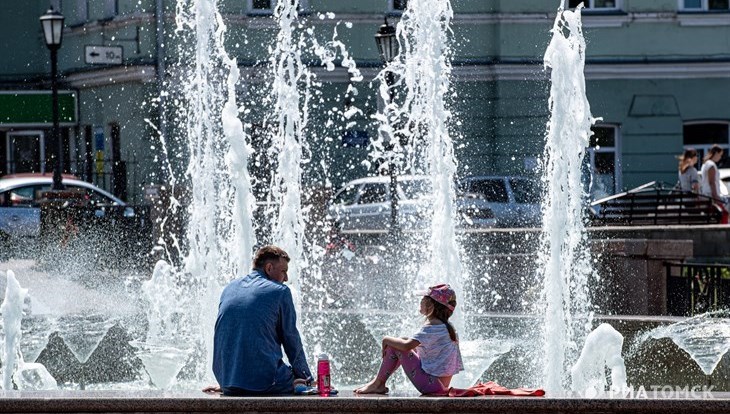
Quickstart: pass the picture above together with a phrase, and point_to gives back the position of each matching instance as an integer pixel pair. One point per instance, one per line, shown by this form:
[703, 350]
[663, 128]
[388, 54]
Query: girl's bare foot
[373, 387]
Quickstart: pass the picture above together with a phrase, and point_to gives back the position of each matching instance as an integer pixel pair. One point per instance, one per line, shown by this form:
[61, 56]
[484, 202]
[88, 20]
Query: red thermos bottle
[323, 375]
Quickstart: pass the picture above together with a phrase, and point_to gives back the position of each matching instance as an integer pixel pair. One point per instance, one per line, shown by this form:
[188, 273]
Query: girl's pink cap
[440, 293]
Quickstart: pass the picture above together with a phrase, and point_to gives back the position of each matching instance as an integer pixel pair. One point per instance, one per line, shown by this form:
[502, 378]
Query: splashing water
[602, 349]
[12, 311]
[417, 129]
[290, 107]
[423, 70]
[16, 372]
[219, 236]
[706, 338]
[564, 257]
[169, 341]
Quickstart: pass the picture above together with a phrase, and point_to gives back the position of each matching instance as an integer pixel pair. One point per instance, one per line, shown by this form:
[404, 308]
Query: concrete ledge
[174, 402]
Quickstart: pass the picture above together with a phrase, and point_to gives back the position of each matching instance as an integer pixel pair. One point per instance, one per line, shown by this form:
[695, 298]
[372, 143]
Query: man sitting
[256, 317]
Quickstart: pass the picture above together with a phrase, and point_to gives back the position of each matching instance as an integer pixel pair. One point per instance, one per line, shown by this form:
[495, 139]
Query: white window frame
[704, 7]
[616, 150]
[590, 6]
[303, 7]
[8, 151]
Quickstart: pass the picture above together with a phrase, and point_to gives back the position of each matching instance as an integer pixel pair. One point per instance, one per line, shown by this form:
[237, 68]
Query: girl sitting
[432, 356]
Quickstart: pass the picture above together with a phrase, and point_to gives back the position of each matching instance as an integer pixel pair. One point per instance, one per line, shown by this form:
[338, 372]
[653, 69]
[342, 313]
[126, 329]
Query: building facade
[658, 74]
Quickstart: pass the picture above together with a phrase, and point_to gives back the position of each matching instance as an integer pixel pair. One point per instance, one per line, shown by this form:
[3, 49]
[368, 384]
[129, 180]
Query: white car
[515, 201]
[20, 212]
[364, 204]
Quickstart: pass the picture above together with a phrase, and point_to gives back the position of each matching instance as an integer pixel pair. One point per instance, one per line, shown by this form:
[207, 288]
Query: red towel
[492, 388]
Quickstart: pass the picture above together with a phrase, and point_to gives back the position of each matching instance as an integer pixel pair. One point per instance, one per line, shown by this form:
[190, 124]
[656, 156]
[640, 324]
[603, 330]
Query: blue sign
[99, 137]
[355, 138]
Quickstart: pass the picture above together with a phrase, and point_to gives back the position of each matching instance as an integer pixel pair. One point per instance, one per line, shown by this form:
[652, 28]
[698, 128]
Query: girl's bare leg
[375, 386]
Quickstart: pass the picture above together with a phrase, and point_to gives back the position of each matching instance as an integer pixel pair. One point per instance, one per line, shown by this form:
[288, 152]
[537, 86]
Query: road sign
[103, 55]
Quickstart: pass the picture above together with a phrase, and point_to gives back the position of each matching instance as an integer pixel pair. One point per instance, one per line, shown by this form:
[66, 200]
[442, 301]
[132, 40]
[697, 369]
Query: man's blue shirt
[256, 317]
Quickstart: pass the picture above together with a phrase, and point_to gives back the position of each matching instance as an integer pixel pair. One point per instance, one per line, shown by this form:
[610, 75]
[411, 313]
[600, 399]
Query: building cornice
[700, 70]
[460, 73]
[118, 22]
[111, 76]
[590, 19]
[535, 72]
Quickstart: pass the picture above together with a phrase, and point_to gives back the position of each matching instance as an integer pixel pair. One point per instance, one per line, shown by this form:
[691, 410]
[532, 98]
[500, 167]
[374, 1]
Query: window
[596, 4]
[604, 161]
[416, 189]
[525, 191]
[25, 152]
[373, 193]
[27, 196]
[22, 196]
[267, 6]
[80, 13]
[346, 196]
[492, 190]
[110, 9]
[701, 135]
[398, 5]
[704, 5]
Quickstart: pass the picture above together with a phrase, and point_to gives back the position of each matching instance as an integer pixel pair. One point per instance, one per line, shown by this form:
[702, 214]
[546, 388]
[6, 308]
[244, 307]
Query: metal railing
[694, 288]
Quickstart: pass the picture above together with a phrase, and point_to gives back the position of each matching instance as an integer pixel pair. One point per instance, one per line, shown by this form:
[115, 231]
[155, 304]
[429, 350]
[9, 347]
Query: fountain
[340, 311]
[564, 257]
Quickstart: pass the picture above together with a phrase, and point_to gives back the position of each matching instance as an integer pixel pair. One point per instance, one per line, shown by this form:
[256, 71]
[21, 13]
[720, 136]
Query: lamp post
[52, 23]
[388, 47]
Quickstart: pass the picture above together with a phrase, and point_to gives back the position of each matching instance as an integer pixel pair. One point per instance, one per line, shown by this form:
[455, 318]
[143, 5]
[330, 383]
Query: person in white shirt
[710, 184]
[431, 357]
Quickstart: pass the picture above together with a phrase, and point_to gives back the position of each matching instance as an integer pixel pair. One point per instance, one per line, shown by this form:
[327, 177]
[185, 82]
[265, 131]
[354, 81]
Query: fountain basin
[156, 401]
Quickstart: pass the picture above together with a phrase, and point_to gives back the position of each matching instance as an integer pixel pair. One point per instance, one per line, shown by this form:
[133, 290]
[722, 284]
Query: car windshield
[492, 190]
[525, 191]
[346, 196]
[373, 193]
[416, 189]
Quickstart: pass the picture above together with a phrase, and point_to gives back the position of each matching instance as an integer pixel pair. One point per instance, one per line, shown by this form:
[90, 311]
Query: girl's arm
[401, 344]
[711, 179]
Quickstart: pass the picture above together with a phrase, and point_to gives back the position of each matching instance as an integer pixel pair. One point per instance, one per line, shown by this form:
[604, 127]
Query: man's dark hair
[268, 254]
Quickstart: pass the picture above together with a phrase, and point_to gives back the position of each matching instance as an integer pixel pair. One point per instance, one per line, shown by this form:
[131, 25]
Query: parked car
[515, 201]
[20, 213]
[364, 204]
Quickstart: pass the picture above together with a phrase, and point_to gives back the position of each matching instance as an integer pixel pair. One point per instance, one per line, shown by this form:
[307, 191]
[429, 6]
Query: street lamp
[52, 23]
[388, 48]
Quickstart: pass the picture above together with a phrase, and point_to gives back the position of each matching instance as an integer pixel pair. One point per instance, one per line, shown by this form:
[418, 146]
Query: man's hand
[212, 389]
[304, 381]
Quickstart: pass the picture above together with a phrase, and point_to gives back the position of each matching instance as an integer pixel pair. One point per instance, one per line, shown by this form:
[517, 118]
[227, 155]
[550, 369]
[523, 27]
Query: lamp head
[387, 42]
[52, 23]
